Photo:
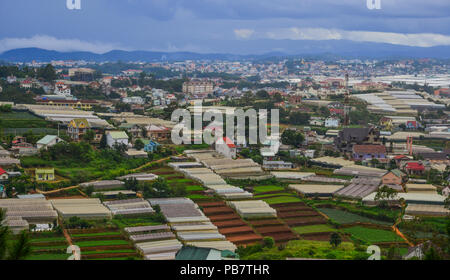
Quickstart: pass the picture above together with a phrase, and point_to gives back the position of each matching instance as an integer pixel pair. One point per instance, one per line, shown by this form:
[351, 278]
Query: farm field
[314, 229]
[344, 217]
[270, 188]
[102, 244]
[371, 235]
[48, 246]
[121, 222]
[309, 249]
[229, 223]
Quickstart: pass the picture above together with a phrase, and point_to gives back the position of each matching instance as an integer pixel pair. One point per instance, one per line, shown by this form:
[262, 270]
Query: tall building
[198, 87]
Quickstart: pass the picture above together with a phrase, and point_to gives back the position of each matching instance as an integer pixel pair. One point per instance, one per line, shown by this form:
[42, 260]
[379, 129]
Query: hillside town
[363, 155]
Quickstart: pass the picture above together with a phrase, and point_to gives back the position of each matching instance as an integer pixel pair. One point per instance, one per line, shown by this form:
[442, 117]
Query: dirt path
[397, 231]
[65, 232]
[152, 162]
[56, 191]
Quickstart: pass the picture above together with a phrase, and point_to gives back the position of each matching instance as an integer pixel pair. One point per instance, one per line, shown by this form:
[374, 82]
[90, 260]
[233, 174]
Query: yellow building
[77, 128]
[76, 104]
[45, 174]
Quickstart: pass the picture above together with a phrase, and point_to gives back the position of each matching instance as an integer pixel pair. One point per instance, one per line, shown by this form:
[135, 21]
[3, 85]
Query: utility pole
[346, 103]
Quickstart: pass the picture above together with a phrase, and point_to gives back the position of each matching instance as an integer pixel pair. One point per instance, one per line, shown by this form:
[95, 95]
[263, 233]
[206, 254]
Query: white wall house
[4, 176]
[226, 147]
[332, 122]
[116, 137]
[48, 141]
[62, 90]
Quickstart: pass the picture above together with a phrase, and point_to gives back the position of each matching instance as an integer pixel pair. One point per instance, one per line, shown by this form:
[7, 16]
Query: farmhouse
[48, 141]
[226, 147]
[45, 174]
[394, 177]
[77, 128]
[116, 138]
[364, 152]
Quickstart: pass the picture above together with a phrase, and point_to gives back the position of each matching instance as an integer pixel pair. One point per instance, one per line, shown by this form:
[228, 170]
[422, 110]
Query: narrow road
[397, 231]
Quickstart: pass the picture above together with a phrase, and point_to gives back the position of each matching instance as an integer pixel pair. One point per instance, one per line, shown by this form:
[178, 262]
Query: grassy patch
[48, 257]
[134, 222]
[198, 196]
[314, 229]
[309, 249]
[95, 243]
[48, 239]
[371, 235]
[194, 188]
[270, 188]
[344, 217]
[107, 252]
[96, 234]
[282, 199]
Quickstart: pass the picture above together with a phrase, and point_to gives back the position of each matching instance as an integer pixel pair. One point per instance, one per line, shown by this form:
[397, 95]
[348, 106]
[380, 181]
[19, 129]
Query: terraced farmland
[303, 220]
[102, 244]
[229, 223]
[372, 235]
[48, 246]
[274, 228]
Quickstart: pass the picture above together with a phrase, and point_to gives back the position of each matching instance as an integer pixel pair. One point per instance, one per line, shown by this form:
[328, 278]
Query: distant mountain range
[331, 50]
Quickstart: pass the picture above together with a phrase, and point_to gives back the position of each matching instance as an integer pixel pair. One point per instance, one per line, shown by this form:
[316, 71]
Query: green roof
[397, 172]
[118, 134]
[47, 139]
[193, 253]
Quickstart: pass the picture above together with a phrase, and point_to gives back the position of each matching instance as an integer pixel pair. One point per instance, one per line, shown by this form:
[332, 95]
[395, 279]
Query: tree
[89, 190]
[262, 94]
[299, 118]
[21, 248]
[139, 145]
[131, 184]
[89, 136]
[4, 235]
[47, 73]
[268, 242]
[292, 137]
[384, 194]
[335, 240]
[103, 143]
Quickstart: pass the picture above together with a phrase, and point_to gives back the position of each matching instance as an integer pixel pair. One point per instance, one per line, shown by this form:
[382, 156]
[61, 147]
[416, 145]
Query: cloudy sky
[213, 26]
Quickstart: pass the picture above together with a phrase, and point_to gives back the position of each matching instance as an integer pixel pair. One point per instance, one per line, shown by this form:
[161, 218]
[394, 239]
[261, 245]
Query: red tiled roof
[400, 157]
[415, 166]
[229, 143]
[369, 149]
[2, 171]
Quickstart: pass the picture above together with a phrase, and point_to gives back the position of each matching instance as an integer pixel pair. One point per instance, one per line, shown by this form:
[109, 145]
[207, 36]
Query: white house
[226, 147]
[446, 192]
[48, 141]
[332, 122]
[309, 153]
[62, 90]
[116, 137]
[3, 175]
